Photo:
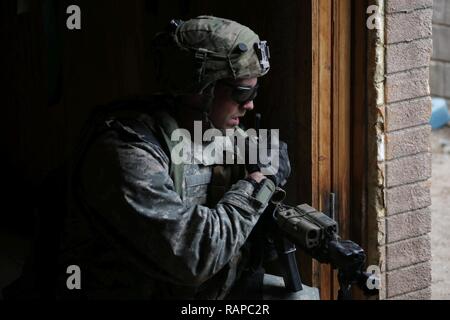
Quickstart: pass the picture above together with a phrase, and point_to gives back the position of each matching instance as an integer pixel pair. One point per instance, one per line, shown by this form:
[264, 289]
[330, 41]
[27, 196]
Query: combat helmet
[190, 56]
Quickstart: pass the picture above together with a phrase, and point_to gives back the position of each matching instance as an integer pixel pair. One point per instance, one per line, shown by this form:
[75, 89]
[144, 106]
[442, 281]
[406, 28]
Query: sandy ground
[440, 209]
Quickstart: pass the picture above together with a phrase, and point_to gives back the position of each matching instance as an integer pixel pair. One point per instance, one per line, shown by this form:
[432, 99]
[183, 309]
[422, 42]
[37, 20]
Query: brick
[424, 294]
[447, 80]
[441, 48]
[406, 5]
[408, 280]
[408, 170]
[408, 252]
[439, 11]
[447, 13]
[437, 78]
[407, 114]
[406, 225]
[408, 55]
[408, 141]
[408, 197]
[407, 85]
[382, 291]
[402, 27]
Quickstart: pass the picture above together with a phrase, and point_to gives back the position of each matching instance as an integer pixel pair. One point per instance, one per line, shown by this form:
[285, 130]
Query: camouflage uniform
[136, 237]
[132, 232]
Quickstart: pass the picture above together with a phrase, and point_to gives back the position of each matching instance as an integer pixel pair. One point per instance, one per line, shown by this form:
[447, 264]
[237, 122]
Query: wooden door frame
[321, 95]
[335, 148]
[329, 83]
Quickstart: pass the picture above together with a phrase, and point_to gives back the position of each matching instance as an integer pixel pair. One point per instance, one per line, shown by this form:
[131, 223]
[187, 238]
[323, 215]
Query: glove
[280, 176]
[273, 162]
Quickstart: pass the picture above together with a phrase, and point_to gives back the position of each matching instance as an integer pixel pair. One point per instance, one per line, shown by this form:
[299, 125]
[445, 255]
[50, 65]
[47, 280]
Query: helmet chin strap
[204, 106]
[207, 101]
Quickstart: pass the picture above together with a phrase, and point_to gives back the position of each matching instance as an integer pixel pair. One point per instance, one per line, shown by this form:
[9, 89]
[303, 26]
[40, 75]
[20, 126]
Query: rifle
[317, 235]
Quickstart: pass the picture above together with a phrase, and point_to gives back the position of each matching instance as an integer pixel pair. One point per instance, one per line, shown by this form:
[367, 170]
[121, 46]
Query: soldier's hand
[280, 176]
[257, 176]
[273, 162]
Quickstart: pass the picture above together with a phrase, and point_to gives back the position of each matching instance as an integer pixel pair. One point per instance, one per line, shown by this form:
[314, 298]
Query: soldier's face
[225, 111]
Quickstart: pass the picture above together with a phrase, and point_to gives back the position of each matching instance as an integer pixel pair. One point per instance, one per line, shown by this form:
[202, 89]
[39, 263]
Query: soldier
[143, 226]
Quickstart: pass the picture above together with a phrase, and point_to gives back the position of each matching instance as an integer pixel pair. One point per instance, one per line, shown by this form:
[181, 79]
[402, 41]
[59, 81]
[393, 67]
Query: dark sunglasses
[242, 94]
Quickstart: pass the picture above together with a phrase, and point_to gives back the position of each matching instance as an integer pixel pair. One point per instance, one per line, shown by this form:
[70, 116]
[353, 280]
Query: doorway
[310, 94]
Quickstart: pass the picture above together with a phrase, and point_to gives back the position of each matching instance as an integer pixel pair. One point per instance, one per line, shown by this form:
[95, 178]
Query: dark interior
[55, 76]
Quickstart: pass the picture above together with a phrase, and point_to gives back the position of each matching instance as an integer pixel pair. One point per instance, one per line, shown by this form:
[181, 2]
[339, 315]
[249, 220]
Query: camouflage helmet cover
[196, 53]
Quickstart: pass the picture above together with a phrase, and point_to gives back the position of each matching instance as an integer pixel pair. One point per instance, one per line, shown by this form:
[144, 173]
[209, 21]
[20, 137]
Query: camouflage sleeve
[129, 185]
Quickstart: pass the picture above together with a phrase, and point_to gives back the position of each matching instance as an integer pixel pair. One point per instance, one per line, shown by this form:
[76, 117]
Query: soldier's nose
[248, 106]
